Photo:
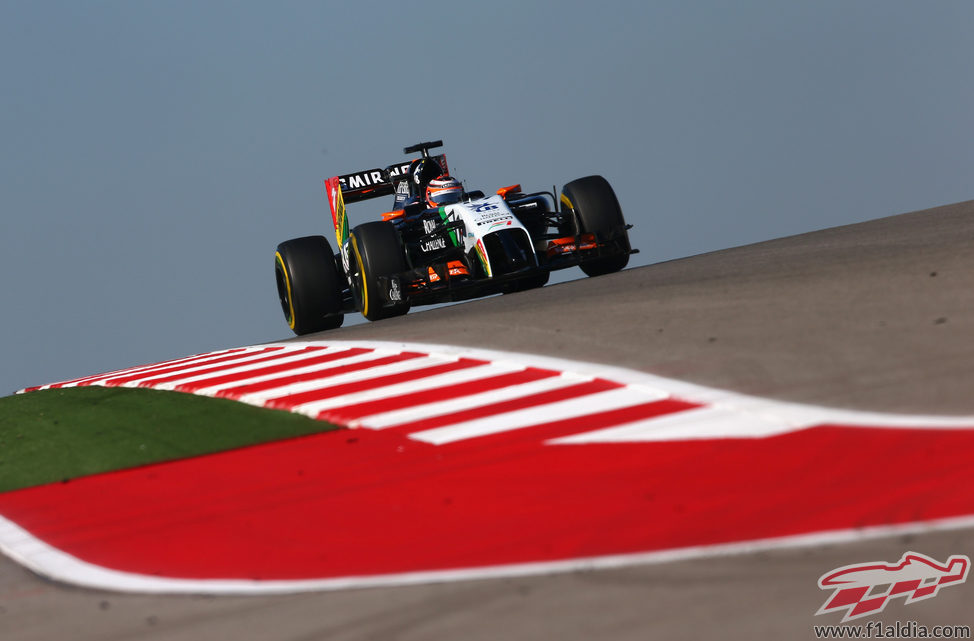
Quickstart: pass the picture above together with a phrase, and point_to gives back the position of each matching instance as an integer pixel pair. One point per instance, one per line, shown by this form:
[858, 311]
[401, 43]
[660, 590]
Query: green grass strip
[59, 434]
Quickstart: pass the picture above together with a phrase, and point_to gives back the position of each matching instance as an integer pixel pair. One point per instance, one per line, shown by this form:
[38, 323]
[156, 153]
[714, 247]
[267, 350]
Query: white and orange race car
[441, 243]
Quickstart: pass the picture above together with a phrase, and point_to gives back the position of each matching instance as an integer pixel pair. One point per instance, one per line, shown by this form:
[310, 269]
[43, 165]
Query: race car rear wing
[371, 183]
[365, 185]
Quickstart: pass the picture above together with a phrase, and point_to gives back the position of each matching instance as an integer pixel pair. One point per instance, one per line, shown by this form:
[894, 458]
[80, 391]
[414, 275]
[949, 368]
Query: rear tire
[376, 251]
[309, 286]
[595, 210]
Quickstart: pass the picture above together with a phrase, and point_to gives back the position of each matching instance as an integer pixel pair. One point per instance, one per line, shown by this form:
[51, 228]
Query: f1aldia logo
[865, 588]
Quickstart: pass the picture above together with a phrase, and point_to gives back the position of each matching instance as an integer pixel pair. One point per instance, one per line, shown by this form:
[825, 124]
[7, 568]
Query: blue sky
[155, 153]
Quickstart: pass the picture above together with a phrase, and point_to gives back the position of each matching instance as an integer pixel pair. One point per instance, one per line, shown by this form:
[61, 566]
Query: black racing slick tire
[377, 252]
[309, 285]
[595, 210]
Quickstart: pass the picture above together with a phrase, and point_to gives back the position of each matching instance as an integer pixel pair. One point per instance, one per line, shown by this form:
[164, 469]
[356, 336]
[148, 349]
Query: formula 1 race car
[440, 243]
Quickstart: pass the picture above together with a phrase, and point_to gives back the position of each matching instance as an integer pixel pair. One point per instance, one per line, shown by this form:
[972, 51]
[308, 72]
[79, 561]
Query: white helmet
[443, 190]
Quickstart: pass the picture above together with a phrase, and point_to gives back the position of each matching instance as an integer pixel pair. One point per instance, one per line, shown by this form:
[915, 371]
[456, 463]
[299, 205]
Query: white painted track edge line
[393, 418]
[797, 416]
[352, 359]
[797, 413]
[469, 375]
[294, 357]
[42, 559]
[150, 372]
[698, 423]
[538, 414]
[327, 381]
[73, 382]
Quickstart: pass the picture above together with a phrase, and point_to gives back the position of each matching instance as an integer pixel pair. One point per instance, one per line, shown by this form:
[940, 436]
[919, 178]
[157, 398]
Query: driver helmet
[443, 190]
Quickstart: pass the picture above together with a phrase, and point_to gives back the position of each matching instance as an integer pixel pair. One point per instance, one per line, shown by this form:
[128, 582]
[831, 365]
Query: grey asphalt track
[873, 316]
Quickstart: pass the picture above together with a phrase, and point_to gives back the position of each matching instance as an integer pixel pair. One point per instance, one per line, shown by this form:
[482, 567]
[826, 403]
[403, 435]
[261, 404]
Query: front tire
[309, 286]
[376, 251]
[595, 210]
